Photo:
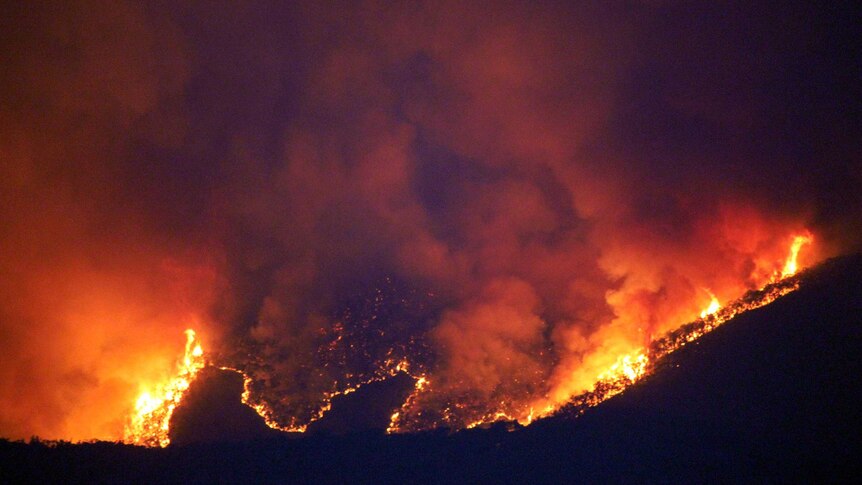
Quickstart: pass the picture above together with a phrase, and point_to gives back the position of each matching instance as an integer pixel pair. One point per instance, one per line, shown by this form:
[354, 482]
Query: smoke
[507, 195]
[99, 265]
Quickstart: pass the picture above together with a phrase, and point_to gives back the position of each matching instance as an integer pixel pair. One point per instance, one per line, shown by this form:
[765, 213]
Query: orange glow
[515, 255]
[394, 421]
[149, 425]
[630, 367]
[713, 307]
[791, 265]
[614, 369]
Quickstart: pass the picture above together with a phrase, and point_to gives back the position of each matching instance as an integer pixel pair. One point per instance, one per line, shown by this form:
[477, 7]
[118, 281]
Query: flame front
[631, 367]
[149, 425]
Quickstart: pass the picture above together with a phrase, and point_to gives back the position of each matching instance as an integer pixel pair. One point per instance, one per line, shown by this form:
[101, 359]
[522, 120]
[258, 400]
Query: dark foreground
[772, 396]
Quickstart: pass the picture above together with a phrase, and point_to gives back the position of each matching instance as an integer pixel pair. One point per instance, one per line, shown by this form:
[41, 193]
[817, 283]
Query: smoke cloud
[507, 195]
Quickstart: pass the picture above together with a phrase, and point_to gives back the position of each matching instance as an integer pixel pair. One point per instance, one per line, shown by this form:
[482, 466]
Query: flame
[713, 307]
[260, 407]
[491, 418]
[149, 425]
[791, 266]
[420, 385]
[389, 369]
[625, 369]
[631, 367]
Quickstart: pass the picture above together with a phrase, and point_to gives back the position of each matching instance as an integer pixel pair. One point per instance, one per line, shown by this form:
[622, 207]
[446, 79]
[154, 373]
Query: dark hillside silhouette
[213, 412]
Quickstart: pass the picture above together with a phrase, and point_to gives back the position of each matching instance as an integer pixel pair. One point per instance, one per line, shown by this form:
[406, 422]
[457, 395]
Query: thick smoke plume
[506, 195]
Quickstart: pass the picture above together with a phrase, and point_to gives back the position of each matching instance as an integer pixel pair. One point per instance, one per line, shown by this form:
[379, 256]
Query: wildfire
[790, 266]
[260, 407]
[150, 423]
[630, 367]
[633, 366]
[394, 421]
[713, 307]
[388, 370]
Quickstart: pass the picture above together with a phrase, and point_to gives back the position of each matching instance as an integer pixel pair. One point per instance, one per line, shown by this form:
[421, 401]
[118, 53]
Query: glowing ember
[490, 418]
[260, 407]
[390, 369]
[150, 423]
[394, 421]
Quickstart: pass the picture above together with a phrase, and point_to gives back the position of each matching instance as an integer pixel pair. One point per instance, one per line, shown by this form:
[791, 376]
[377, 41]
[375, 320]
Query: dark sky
[517, 192]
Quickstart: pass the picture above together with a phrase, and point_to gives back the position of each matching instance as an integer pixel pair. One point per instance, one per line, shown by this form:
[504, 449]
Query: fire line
[149, 424]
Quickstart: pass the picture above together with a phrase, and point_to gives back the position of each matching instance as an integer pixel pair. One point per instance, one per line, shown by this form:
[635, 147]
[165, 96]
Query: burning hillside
[772, 395]
[149, 425]
[504, 203]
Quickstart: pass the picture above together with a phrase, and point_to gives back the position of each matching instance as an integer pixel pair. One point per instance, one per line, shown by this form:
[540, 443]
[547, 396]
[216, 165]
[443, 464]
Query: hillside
[771, 396]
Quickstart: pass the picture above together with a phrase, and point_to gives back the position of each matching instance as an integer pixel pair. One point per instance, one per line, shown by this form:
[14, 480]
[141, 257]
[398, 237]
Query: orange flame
[389, 369]
[261, 408]
[395, 420]
[713, 307]
[791, 266]
[630, 367]
[633, 366]
[149, 425]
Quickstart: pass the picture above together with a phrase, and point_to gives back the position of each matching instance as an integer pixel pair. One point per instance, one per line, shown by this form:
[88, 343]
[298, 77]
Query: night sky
[508, 195]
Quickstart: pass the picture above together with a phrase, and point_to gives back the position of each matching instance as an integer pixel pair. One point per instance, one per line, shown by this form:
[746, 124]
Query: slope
[771, 396]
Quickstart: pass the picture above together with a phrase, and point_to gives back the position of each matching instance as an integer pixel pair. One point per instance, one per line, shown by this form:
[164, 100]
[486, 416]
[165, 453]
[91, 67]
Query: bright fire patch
[149, 425]
[791, 266]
